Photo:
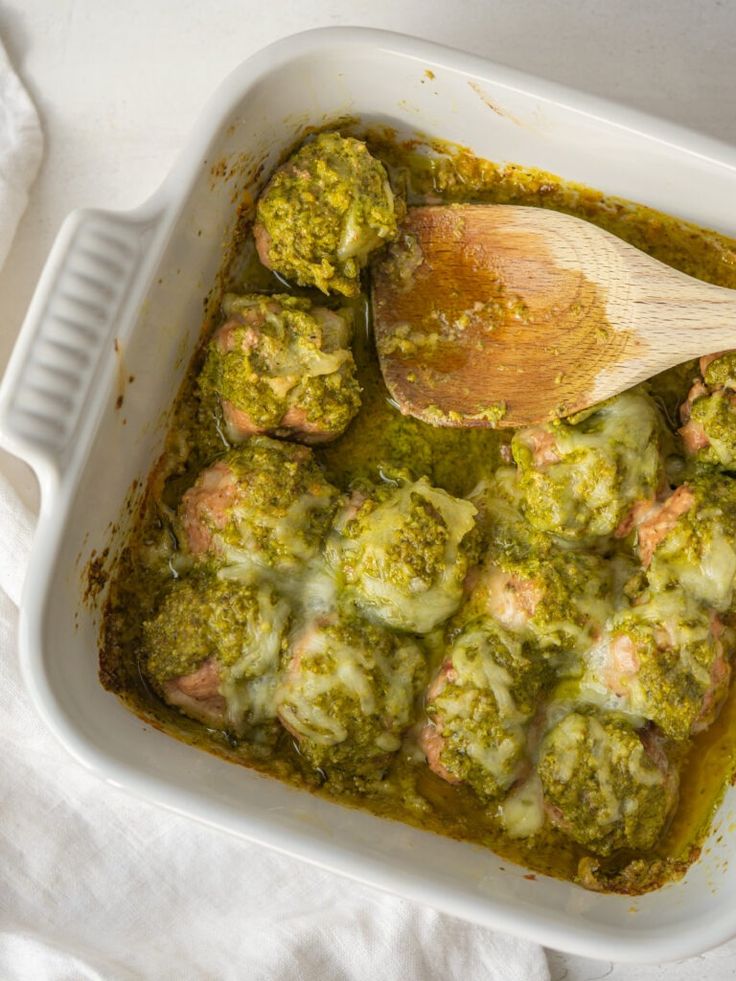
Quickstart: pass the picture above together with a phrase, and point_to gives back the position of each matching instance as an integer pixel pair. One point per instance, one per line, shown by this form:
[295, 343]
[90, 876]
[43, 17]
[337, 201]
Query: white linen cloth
[21, 148]
[96, 885]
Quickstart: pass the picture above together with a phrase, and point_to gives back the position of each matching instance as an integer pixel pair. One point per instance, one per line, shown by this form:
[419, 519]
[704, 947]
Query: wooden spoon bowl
[490, 315]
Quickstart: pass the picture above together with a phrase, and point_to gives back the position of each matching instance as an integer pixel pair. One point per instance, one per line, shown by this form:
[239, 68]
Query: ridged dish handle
[87, 294]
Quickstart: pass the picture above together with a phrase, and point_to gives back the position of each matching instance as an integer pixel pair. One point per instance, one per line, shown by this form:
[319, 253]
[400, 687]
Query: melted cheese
[250, 685]
[413, 606]
[483, 672]
[494, 758]
[377, 684]
[644, 775]
[419, 612]
[522, 812]
[712, 580]
[599, 744]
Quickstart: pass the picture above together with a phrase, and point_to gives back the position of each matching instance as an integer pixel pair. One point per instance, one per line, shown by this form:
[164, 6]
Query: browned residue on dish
[494, 107]
[95, 575]
[238, 168]
[96, 572]
[123, 377]
[218, 170]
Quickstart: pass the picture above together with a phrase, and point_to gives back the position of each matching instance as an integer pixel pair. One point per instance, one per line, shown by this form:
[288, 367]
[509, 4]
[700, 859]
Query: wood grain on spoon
[503, 315]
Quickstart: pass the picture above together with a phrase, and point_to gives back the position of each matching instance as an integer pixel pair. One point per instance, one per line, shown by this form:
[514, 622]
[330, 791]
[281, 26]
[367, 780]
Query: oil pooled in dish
[520, 639]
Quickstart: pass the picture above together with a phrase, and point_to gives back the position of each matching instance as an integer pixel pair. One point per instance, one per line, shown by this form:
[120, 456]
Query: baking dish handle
[85, 301]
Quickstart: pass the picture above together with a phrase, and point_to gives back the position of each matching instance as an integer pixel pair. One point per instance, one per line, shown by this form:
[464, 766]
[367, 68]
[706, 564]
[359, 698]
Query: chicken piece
[479, 705]
[559, 601]
[511, 599]
[664, 660]
[656, 521]
[693, 434]
[579, 481]
[689, 540]
[708, 413]
[542, 446]
[709, 425]
[264, 504]
[557, 598]
[282, 367]
[501, 521]
[197, 694]
[215, 650]
[431, 739]
[606, 785]
[403, 553]
[349, 691]
[323, 213]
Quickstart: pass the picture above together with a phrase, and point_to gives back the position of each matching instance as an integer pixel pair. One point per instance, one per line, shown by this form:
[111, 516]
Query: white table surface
[119, 82]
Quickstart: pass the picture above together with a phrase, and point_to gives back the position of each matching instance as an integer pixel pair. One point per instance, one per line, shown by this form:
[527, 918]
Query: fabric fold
[21, 150]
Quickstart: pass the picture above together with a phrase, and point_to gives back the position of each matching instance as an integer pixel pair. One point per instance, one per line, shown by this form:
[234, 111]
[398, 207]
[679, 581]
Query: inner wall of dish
[495, 122]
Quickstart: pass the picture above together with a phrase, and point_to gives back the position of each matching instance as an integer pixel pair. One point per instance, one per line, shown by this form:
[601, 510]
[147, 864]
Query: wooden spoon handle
[675, 313]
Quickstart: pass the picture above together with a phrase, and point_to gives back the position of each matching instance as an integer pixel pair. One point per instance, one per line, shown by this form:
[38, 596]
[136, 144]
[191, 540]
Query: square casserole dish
[85, 400]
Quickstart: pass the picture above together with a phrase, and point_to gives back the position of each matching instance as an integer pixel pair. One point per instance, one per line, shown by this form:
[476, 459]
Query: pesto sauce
[382, 444]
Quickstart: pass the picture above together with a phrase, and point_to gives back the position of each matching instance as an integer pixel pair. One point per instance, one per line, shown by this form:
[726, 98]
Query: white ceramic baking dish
[121, 297]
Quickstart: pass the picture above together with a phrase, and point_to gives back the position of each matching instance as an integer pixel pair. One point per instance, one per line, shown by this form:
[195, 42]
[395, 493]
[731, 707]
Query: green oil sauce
[381, 443]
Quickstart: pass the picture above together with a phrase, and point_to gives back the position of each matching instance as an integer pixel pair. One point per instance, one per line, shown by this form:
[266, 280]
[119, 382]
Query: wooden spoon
[501, 315]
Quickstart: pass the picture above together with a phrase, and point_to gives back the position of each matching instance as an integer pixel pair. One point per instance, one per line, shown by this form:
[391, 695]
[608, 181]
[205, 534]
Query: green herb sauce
[381, 444]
